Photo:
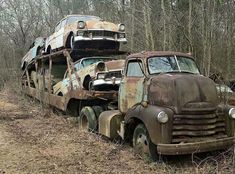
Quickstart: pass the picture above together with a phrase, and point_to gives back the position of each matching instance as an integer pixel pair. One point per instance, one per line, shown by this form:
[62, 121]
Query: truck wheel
[88, 120]
[142, 143]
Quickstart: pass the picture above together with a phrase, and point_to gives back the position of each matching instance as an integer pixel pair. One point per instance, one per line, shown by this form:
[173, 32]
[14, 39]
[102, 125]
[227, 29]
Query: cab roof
[147, 54]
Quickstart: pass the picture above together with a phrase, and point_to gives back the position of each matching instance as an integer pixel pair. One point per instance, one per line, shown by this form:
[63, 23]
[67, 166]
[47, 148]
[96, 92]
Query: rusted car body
[85, 32]
[34, 50]
[94, 73]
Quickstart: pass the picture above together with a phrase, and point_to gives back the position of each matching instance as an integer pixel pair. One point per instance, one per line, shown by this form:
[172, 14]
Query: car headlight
[162, 117]
[100, 66]
[231, 113]
[121, 27]
[81, 24]
[100, 76]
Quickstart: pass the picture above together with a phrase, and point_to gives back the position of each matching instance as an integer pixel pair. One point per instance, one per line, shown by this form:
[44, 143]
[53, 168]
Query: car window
[134, 69]
[57, 27]
[73, 19]
[63, 23]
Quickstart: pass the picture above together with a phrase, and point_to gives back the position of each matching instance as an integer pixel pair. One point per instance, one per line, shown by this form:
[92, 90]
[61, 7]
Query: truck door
[132, 85]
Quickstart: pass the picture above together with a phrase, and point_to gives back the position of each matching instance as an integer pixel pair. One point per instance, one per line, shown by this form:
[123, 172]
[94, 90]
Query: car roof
[78, 15]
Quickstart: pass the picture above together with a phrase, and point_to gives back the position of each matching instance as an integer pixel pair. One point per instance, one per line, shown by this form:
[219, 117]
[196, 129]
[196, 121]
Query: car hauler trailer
[47, 74]
[163, 106]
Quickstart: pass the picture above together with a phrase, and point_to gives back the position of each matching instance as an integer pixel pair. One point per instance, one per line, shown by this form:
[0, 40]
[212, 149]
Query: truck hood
[183, 93]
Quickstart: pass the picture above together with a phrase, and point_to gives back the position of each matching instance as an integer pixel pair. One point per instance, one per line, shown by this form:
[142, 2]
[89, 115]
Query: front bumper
[81, 38]
[100, 82]
[197, 147]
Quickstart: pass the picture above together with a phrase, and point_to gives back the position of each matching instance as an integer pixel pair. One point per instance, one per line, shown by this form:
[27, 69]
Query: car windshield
[88, 61]
[166, 64]
[72, 19]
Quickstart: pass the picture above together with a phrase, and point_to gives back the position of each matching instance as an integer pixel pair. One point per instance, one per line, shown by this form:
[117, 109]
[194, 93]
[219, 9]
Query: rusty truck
[163, 106]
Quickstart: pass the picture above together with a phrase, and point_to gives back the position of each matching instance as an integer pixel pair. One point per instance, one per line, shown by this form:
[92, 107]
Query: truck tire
[143, 145]
[87, 119]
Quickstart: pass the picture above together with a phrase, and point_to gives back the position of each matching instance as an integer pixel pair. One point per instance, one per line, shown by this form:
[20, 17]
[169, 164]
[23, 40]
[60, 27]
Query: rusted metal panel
[184, 93]
[109, 123]
[159, 133]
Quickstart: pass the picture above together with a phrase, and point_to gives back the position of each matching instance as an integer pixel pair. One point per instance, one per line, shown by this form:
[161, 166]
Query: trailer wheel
[88, 120]
[142, 143]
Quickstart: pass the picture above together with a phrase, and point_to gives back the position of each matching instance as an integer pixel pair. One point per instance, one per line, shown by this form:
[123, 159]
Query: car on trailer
[93, 73]
[35, 49]
[85, 32]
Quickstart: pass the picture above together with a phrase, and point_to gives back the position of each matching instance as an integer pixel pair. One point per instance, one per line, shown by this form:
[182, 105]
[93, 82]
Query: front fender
[158, 132]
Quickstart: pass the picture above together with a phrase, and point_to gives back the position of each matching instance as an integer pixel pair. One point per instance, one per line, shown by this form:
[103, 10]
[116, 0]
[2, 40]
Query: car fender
[66, 37]
[158, 132]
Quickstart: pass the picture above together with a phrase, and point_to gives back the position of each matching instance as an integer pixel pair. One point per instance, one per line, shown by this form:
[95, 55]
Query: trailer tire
[87, 119]
[143, 145]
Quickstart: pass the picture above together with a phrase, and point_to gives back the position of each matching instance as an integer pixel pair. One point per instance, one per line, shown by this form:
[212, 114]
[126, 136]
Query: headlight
[231, 113]
[100, 66]
[81, 24]
[100, 76]
[121, 27]
[162, 117]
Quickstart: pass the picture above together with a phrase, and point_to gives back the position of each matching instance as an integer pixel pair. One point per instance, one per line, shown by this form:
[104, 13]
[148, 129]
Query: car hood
[183, 93]
[102, 25]
[115, 64]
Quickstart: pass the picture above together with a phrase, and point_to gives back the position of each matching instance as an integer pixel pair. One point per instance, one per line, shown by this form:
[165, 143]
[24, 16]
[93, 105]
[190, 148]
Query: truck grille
[191, 128]
[111, 74]
[101, 33]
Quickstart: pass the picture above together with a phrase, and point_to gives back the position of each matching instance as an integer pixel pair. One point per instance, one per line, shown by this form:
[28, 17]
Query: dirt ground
[36, 140]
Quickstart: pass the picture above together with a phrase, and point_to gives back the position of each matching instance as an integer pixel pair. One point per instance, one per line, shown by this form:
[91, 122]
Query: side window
[134, 69]
[57, 27]
[63, 23]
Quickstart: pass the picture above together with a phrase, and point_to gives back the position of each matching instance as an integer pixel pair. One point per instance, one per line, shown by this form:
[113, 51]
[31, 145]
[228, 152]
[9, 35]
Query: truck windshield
[168, 64]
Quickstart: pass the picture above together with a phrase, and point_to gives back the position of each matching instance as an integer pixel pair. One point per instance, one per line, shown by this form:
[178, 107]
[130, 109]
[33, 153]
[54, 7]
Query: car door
[52, 39]
[60, 34]
[132, 85]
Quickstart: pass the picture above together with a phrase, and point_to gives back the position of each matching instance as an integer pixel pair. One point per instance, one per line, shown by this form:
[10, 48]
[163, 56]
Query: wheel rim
[142, 144]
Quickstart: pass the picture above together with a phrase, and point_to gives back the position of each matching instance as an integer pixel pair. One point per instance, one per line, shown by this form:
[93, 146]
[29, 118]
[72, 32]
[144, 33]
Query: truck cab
[165, 106]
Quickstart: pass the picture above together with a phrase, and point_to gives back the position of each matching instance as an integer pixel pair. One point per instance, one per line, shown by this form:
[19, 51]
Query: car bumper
[100, 82]
[81, 38]
[197, 147]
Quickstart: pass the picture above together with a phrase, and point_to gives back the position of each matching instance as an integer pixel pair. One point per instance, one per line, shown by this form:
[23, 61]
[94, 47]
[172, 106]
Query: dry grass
[32, 141]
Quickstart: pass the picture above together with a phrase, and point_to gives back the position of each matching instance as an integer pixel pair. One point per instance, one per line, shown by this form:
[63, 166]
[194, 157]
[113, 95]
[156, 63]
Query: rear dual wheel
[88, 120]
